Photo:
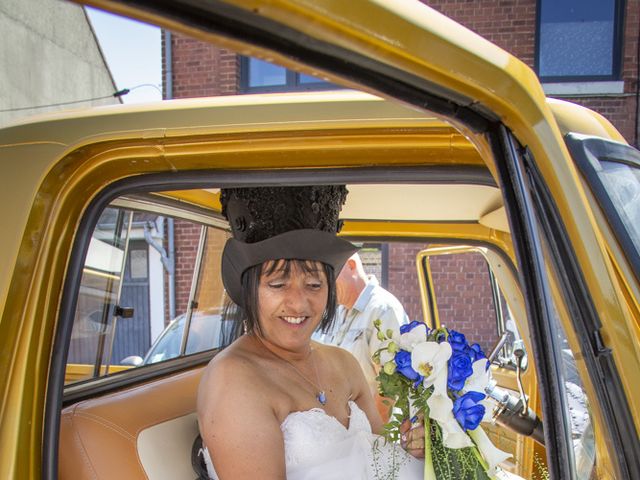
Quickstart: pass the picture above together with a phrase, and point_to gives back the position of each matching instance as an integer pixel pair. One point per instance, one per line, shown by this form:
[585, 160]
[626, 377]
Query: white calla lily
[453, 436]
[413, 337]
[441, 410]
[440, 407]
[491, 454]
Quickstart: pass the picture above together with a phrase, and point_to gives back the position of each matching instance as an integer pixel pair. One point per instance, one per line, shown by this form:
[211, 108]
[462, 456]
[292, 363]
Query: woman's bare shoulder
[236, 415]
[238, 357]
[338, 355]
[227, 376]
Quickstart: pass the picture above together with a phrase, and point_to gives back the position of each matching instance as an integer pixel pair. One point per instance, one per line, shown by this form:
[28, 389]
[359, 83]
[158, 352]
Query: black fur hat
[271, 223]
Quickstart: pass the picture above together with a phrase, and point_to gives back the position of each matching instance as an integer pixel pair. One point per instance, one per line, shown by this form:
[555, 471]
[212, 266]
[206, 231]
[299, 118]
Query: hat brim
[305, 244]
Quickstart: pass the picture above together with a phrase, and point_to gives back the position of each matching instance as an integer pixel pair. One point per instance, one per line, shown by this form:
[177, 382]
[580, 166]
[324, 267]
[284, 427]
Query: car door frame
[226, 19]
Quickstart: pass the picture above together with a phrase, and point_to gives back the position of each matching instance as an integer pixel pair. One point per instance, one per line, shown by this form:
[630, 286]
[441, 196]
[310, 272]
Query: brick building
[584, 51]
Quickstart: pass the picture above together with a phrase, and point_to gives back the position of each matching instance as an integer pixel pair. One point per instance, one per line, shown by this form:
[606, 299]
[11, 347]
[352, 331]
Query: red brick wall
[631, 50]
[464, 297]
[402, 277]
[463, 292]
[511, 24]
[618, 110]
[186, 238]
[201, 69]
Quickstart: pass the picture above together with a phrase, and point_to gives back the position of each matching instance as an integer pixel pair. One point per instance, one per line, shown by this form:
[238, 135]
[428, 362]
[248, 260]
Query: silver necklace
[320, 396]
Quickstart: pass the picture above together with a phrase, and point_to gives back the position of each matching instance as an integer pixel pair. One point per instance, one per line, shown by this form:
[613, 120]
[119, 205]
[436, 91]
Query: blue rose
[460, 368]
[468, 411]
[403, 364]
[457, 341]
[475, 352]
[410, 326]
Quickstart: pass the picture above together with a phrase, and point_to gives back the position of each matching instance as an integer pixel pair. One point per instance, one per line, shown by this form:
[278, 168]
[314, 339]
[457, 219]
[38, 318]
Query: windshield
[613, 172]
[622, 183]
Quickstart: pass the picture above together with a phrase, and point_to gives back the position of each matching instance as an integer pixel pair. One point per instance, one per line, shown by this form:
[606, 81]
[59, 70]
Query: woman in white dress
[274, 404]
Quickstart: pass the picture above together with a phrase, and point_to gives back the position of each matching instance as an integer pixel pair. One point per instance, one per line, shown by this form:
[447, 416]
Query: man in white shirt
[361, 302]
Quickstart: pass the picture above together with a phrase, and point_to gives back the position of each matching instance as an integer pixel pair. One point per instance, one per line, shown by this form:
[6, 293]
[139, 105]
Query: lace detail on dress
[307, 432]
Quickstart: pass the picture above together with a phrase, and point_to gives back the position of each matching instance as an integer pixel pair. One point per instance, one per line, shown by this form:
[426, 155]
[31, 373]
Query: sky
[133, 53]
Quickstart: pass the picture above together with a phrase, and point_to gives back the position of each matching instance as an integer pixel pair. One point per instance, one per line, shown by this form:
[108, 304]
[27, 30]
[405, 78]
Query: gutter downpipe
[168, 95]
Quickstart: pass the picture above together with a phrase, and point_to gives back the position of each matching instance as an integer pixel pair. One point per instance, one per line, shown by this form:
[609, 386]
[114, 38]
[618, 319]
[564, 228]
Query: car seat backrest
[142, 432]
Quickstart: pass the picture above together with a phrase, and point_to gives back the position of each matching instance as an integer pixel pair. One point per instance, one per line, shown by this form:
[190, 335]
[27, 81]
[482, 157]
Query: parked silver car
[204, 334]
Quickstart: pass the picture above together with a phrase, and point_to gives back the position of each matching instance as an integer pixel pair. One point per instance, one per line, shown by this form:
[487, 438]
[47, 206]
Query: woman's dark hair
[237, 320]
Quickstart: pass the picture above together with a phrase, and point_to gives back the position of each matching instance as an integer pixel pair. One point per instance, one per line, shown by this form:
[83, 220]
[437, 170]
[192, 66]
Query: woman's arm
[238, 424]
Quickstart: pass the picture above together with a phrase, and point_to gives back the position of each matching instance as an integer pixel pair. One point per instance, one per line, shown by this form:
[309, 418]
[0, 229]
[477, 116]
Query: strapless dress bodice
[318, 447]
[310, 431]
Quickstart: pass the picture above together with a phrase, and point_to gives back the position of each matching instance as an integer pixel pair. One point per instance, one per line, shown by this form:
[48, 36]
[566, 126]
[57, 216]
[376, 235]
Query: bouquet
[437, 373]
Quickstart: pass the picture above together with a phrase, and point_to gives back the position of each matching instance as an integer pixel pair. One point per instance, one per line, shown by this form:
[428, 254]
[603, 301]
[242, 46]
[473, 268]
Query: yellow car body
[454, 103]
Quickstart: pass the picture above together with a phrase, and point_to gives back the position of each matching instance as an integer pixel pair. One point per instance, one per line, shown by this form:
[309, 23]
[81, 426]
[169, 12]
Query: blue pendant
[322, 398]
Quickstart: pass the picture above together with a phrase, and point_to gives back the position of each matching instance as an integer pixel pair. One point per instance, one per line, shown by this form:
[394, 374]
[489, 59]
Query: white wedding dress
[318, 447]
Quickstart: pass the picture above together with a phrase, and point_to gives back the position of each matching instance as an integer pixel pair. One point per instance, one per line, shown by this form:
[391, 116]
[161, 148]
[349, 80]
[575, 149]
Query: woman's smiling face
[292, 298]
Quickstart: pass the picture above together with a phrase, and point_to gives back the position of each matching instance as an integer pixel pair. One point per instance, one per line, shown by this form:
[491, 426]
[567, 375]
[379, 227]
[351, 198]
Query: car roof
[338, 129]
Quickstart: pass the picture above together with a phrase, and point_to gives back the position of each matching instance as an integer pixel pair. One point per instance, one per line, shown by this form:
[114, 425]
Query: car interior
[145, 416]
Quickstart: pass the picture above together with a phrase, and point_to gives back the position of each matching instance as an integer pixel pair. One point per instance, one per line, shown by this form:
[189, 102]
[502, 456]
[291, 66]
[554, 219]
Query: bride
[274, 404]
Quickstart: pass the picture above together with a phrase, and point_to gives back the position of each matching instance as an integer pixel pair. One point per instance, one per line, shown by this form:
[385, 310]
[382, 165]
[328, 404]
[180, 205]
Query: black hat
[271, 223]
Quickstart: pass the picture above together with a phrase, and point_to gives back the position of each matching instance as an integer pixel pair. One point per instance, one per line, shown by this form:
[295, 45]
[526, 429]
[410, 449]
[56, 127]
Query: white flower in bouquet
[410, 338]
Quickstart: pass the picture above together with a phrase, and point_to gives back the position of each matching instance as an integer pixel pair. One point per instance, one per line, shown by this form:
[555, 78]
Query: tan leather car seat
[143, 432]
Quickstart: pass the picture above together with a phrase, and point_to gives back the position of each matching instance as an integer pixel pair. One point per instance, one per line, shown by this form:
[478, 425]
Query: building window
[579, 40]
[260, 76]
